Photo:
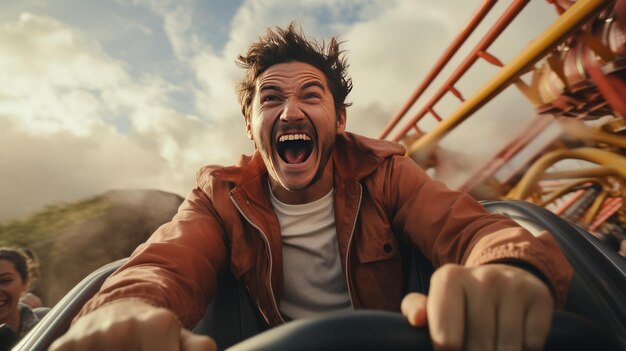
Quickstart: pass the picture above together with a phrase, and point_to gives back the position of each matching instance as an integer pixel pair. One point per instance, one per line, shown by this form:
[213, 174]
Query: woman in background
[16, 273]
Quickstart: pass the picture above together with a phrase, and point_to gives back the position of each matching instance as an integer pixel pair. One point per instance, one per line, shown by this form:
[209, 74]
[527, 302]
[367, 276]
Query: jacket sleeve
[177, 267]
[451, 227]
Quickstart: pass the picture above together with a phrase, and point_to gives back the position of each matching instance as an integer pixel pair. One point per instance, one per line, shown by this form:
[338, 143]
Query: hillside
[73, 239]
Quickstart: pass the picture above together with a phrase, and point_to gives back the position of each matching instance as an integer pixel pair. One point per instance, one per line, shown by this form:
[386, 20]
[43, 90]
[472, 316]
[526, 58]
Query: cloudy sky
[120, 94]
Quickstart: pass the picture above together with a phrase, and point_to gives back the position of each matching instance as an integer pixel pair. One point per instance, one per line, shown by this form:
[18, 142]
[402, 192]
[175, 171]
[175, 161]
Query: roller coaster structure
[571, 158]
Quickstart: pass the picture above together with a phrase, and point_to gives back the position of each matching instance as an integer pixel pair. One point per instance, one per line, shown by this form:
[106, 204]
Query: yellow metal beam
[564, 26]
[579, 130]
[580, 173]
[605, 158]
[564, 190]
[595, 207]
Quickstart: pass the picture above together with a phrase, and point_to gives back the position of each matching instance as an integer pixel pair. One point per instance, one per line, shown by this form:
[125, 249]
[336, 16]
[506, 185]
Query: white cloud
[62, 104]
[215, 93]
[48, 83]
[39, 170]
[213, 85]
[45, 50]
[379, 56]
[177, 18]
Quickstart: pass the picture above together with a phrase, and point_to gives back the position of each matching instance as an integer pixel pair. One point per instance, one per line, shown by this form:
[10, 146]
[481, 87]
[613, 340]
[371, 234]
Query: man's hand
[489, 307]
[131, 325]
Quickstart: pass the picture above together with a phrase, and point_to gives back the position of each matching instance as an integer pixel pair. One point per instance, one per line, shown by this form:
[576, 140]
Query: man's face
[294, 124]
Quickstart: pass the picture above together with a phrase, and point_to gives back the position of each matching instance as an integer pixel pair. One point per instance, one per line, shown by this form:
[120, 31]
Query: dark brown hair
[21, 261]
[281, 45]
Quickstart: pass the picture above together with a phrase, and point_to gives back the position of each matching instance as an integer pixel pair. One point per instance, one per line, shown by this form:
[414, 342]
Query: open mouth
[294, 148]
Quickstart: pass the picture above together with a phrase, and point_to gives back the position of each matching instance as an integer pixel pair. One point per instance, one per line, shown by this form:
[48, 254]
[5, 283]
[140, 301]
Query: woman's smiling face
[11, 288]
[294, 124]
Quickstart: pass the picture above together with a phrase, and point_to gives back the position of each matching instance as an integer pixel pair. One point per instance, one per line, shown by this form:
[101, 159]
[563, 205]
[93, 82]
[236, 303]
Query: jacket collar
[247, 169]
[357, 156]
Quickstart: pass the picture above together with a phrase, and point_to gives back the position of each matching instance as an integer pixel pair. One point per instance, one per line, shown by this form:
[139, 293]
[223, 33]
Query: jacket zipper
[348, 280]
[269, 252]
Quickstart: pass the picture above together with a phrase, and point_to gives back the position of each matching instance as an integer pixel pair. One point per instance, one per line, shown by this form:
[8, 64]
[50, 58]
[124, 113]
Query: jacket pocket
[378, 276]
[377, 247]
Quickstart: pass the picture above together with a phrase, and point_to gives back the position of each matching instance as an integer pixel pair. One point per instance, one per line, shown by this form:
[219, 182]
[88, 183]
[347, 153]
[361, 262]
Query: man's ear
[248, 129]
[341, 120]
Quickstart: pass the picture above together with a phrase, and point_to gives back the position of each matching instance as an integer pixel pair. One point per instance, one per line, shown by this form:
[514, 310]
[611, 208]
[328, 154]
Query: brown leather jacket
[382, 200]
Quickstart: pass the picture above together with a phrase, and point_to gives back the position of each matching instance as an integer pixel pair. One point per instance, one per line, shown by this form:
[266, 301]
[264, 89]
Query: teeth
[294, 137]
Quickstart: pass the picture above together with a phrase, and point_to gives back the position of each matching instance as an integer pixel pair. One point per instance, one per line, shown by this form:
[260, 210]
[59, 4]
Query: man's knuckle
[446, 274]
[121, 329]
[536, 294]
[450, 268]
[541, 290]
[516, 286]
[162, 321]
[489, 276]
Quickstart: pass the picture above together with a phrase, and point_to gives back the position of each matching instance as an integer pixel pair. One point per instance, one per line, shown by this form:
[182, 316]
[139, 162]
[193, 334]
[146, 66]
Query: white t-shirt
[312, 275]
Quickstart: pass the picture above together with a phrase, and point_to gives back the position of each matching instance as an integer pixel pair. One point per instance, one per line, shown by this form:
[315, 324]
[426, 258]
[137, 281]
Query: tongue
[295, 156]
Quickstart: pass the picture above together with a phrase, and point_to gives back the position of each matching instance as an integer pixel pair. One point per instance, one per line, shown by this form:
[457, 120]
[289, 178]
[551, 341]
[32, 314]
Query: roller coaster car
[593, 319]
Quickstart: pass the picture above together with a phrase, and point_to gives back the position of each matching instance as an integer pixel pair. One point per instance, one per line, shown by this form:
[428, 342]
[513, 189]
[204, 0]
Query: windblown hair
[21, 260]
[281, 45]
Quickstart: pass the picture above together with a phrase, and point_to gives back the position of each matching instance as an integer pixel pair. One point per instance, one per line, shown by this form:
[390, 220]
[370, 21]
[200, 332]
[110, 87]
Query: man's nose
[292, 111]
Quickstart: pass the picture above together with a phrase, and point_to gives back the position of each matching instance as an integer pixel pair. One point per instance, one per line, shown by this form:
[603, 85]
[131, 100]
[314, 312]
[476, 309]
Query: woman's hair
[24, 265]
[281, 45]
[33, 267]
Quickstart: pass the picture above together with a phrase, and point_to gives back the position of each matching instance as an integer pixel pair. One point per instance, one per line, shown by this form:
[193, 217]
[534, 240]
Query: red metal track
[479, 51]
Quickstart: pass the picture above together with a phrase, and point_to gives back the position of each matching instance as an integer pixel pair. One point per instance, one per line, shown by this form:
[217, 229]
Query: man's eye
[312, 96]
[269, 98]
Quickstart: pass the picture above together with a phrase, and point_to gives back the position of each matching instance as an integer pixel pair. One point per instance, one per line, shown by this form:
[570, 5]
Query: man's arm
[475, 300]
[131, 325]
[451, 227]
[489, 307]
[165, 282]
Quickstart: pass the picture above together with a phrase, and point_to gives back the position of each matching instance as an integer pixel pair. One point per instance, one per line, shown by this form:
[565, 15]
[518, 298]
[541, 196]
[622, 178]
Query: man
[313, 222]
